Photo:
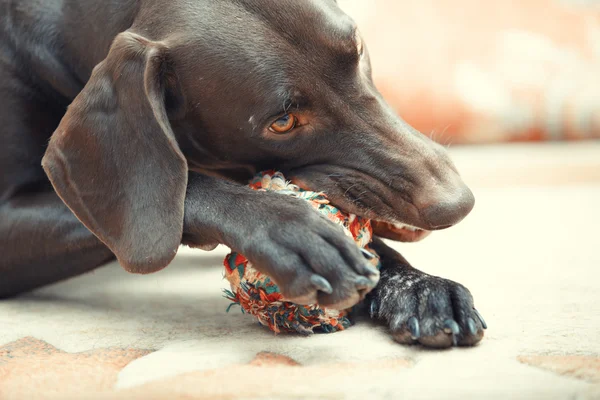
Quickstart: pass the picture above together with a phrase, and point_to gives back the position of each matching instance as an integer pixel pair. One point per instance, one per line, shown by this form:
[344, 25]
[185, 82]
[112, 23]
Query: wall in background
[472, 71]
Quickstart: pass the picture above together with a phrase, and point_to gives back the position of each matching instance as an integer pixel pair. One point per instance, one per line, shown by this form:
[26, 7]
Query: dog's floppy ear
[114, 159]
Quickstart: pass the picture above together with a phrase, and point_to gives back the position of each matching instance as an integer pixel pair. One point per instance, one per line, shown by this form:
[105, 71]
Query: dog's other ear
[114, 159]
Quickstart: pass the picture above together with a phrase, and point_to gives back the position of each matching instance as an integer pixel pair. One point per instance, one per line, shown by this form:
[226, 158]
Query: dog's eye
[284, 124]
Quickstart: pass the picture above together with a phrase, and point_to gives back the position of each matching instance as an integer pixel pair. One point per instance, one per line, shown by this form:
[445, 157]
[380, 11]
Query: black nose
[449, 212]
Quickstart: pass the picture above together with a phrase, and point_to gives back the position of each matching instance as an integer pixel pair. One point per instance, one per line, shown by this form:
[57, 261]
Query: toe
[321, 284]
[473, 331]
[441, 340]
[405, 331]
[414, 328]
[451, 328]
[470, 321]
[438, 327]
[338, 285]
[358, 259]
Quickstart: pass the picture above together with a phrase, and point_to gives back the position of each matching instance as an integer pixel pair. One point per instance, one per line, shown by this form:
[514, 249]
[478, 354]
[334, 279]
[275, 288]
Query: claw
[372, 271]
[450, 326]
[480, 319]
[373, 308]
[321, 284]
[413, 327]
[362, 281]
[368, 255]
[472, 327]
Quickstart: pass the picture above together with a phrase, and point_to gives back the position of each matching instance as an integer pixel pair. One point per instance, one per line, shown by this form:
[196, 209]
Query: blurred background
[472, 71]
[513, 89]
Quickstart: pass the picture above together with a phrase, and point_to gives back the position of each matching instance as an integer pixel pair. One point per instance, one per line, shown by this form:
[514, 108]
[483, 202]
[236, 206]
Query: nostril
[450, 212]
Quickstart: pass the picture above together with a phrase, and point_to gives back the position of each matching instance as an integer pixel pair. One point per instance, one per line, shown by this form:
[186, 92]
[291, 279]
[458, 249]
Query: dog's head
[242, 85]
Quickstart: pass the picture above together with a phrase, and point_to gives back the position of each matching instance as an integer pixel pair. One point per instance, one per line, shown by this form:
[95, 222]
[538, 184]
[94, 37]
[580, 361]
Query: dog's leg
[42, 242]
[420, 308]
[309, 257]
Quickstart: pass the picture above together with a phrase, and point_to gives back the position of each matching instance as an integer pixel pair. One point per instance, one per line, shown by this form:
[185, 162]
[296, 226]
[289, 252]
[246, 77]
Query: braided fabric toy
[259, 296]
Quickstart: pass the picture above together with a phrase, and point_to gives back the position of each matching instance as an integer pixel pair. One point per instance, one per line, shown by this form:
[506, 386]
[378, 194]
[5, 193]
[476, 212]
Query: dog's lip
[398, 231]
[382, 225]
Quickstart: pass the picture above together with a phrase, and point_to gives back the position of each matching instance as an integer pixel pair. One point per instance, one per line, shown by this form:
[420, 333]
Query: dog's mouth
[371, 200]
[398, 231]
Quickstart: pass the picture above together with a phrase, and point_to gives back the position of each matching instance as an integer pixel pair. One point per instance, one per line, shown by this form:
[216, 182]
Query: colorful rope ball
[258, 295]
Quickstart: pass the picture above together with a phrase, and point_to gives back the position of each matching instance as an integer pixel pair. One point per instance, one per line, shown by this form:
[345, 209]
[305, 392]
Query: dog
[129, 128]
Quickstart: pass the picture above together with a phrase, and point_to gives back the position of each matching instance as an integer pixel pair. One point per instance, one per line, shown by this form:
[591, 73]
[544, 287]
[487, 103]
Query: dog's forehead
[264, 35]
[264, 55]
[301, 17]
[267, 24]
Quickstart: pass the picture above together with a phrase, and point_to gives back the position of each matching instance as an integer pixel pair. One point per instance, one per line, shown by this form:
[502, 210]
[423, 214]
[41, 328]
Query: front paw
[309, 257]
[429, 310]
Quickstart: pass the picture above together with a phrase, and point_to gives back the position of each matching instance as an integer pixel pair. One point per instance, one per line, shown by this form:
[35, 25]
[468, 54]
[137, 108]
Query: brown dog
[171, 104]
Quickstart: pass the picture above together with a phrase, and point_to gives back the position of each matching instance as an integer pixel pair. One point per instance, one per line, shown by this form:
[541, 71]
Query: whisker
[446, 128]
[442, 139]
[347, 190]
[432, 135]
[361, 194]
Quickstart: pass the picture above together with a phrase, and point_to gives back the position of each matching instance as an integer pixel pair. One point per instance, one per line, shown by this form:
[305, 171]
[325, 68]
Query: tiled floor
[529, 254]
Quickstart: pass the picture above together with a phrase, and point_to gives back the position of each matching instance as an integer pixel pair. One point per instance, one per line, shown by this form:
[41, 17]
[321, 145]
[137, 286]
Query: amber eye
[284, 124]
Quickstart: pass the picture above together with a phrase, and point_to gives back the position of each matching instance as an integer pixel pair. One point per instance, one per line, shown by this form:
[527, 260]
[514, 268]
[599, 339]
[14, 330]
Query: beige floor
[530, 253]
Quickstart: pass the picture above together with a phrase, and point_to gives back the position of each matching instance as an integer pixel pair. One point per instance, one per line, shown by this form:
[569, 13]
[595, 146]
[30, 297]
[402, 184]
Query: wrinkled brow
[279, 102]
[288, 100]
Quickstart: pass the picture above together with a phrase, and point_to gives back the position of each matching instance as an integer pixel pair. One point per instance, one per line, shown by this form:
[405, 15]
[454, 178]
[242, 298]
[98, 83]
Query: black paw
[432, 311]
[309, 257]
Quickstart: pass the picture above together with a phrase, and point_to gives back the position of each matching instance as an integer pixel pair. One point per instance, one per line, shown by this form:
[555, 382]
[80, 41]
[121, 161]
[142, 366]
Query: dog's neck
[64, 40]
